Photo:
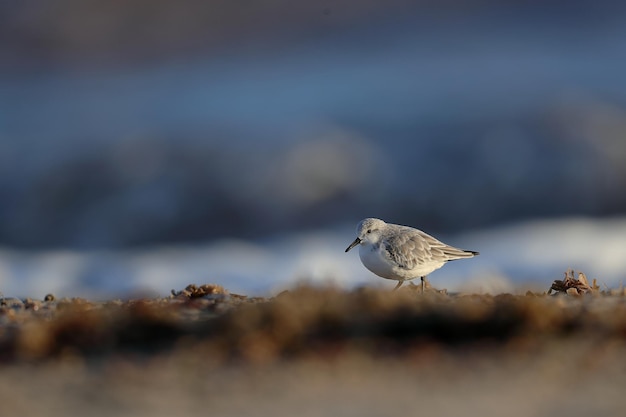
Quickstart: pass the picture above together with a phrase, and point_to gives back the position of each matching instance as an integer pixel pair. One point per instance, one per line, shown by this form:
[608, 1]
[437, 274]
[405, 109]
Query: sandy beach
[317, 351]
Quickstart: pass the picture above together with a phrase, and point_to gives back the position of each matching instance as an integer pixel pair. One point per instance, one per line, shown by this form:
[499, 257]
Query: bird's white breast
[376, 260]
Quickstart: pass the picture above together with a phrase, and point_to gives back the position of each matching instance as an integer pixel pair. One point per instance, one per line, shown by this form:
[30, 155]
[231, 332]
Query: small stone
[33, 305]
[11, 303]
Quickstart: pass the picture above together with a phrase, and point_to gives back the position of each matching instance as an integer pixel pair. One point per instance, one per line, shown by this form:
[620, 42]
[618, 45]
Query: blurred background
[148, 144]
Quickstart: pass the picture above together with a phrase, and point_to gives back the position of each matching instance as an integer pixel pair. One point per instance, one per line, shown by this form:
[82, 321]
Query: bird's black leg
[424, 282]
[398, 286]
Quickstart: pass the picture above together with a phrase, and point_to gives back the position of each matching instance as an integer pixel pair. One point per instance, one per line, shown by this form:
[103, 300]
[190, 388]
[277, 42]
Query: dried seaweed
[194, 291]
[574, 286]
[306, 321]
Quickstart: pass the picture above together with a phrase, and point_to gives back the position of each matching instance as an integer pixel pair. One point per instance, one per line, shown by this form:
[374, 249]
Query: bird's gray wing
[408, 248]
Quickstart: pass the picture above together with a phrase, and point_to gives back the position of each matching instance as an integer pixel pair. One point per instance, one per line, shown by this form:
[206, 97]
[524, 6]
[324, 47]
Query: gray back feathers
[408, 247]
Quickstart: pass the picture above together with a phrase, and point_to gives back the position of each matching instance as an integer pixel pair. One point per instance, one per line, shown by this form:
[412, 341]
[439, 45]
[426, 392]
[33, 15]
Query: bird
[402, 253]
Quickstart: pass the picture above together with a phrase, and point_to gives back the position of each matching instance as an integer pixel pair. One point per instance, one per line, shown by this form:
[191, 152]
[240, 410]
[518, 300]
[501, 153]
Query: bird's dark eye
[369, 231]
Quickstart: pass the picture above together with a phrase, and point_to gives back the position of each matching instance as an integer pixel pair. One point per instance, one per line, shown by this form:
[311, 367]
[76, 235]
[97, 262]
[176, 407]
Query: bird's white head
[368, 231]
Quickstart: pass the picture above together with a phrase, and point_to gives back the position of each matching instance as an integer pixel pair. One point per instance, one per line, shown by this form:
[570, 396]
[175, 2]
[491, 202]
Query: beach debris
[571, 285]
[194, 291]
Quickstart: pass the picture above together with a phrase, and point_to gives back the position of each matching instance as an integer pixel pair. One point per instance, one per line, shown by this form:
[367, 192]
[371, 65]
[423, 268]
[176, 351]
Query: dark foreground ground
[314, 352]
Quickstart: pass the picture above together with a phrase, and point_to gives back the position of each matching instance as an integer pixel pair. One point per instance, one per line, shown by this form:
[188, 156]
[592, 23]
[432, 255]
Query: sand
[316, 352]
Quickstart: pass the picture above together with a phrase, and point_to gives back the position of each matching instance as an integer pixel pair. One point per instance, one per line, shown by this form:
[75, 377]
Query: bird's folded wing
[409, 250]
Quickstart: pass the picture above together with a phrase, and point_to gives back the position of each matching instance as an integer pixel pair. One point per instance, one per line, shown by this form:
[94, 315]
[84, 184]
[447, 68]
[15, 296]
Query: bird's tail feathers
[462, 254]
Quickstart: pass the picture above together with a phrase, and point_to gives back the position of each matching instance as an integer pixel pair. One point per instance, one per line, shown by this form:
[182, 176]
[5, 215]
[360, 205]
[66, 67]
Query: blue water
[455, 125]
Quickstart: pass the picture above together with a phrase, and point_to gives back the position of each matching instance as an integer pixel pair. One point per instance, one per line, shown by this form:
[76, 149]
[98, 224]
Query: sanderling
[402, 253]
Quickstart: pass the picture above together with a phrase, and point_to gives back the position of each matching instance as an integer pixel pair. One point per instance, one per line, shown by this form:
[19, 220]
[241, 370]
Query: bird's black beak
[353, 244]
